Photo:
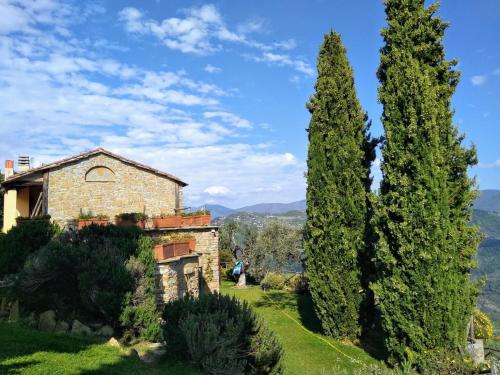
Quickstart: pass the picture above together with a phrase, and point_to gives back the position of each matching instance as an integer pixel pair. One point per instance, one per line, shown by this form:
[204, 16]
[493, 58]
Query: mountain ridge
[488, 200]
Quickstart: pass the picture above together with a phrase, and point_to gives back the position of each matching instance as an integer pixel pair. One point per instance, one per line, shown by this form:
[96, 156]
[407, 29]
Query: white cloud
[284, 60]
[494, 165]
[229, 118]
[478, 80]
[252, 26]
[217, 190]
[212, 69]
[202, 31]
[192, 34]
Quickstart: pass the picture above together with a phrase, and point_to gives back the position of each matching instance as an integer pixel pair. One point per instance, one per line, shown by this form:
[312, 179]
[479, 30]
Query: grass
[307, 350]
[26, 351]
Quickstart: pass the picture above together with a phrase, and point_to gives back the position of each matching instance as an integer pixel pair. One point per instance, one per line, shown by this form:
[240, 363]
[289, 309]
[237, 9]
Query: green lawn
[27, 351]
[307, 351]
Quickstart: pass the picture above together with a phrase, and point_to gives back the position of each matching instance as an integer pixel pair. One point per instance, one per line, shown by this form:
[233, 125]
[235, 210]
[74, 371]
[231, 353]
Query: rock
[95, 326]
[157, 350]
[105, 331]
[133, 353]
[14, 311]
[47, 321]
[114, 342]
[476, 351]
[31, 320]
[79, 328]
[62, 327]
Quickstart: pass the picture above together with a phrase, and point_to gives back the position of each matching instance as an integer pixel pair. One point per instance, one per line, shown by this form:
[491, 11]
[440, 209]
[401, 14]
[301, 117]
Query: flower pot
[167, 222]
[177, 247]
[195, 220]
[140, 223]
[82, 223]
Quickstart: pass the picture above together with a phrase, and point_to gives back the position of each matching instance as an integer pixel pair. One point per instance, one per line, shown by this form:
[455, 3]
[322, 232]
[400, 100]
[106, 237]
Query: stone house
[99, 182]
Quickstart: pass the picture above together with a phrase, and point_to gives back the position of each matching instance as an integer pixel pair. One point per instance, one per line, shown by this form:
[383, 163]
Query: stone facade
[101, 184]
[169, 272]
[176, 277]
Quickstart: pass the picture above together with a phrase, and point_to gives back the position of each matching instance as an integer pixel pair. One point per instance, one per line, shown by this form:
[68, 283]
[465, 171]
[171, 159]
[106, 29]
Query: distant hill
[218, 210]
[488, 200]
[274, 208]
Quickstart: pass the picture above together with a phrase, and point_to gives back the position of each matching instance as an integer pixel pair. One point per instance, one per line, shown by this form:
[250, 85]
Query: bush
[483, 327]
[225, 256]
[140, 315]
[132, 216]
[440, 361]
[28, 236]
[221, 335]
[273, 281]
[100, 273]
[297, 283]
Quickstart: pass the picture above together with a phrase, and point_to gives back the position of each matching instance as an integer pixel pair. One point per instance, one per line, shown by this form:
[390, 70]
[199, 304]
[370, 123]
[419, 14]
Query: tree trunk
[242, 280]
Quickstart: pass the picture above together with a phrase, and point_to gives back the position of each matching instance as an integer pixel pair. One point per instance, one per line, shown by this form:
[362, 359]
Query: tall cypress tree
[339, 159]
[426, 249]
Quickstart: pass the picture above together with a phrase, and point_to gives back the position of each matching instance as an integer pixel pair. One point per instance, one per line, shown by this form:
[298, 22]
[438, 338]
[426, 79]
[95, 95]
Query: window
[100, 174]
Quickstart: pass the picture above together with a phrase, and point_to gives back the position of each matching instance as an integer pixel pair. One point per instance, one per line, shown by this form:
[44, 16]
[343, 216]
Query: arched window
[100, 174]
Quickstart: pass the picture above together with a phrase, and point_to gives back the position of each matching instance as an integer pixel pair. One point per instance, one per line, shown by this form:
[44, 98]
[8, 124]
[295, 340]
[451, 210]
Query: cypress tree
[426, 249]
[339, 159]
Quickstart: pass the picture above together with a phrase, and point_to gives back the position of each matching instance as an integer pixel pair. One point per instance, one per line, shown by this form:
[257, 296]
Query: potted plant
[195, 218]
[174, 246]
[86, 220]
[167, 221]
[132, 218]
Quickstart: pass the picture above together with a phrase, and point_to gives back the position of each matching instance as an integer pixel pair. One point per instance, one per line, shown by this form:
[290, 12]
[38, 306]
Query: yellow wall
[16, 203]
[23, 202]
[9, 209]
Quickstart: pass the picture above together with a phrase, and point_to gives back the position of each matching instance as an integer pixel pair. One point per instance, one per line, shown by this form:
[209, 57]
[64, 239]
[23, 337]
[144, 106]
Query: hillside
[489, 263]
[218, 210]
[488, 200]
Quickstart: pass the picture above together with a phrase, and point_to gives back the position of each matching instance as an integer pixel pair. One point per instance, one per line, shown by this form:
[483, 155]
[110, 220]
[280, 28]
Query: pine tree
[339, 159]
[425, 249]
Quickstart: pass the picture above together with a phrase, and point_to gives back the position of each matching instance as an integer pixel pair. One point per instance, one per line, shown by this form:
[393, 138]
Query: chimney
[9, 168]
[23, 162]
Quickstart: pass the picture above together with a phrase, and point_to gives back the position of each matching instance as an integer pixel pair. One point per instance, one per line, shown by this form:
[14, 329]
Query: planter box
[195, 220]
[140, 223]
[178, 247]
[167, 222]
[82, 223]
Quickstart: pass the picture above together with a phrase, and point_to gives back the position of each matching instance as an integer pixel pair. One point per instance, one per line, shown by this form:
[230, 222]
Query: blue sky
[213, 92]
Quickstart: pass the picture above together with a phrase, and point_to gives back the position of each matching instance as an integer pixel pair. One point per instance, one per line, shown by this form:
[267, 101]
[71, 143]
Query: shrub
[225, 256]
[297, 283]
[22, 240]
[132, 216]
[89, 217]
[84, 274]
[140, 315]
[221, 335]
[273, 281]
[196, 213]
[88, 279]
[483, 327]
[441, 361]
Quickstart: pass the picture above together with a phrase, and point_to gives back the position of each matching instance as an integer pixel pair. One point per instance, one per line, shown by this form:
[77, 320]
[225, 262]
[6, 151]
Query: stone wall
[177, 277]
[207, 248]
[126, 188]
